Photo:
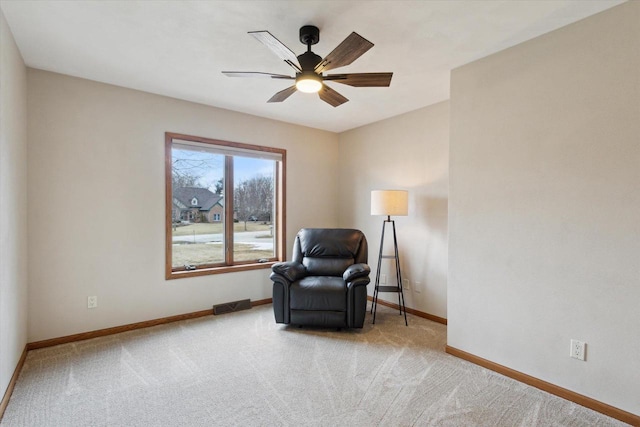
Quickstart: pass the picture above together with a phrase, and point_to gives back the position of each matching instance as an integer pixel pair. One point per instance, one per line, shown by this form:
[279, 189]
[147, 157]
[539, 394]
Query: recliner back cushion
[328, 252]
[329, 243]
[326, 266]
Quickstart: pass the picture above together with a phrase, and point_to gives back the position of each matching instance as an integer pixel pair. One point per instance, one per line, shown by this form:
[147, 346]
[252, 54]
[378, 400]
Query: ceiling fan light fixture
[308, 82]
[310, 67]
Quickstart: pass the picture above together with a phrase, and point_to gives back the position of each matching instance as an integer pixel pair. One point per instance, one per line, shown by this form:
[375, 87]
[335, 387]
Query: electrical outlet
[383, 279]
[578, 349]
[405, 283]
[417, 286]
[92, 301]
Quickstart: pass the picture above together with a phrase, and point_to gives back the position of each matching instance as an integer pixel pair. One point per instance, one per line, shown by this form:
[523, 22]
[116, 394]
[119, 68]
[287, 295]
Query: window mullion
[228, 209]
[279, 201]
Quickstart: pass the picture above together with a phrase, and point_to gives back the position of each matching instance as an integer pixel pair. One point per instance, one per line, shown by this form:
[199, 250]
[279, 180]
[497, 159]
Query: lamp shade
[390, 202]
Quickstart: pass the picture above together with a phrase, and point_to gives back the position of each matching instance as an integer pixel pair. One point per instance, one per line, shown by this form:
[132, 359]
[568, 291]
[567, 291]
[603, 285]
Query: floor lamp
[388, 203]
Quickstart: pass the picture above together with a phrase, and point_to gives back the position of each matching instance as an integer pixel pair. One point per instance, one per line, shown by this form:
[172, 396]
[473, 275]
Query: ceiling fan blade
[256, 74]
[283, 94]
[276, 46]
[351, 48]
[362, 79]
[331, 97]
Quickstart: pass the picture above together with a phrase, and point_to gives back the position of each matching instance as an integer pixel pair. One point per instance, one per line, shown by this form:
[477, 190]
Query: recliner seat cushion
[318, 293]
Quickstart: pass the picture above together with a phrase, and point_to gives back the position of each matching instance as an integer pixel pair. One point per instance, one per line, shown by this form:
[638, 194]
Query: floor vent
[229, 307]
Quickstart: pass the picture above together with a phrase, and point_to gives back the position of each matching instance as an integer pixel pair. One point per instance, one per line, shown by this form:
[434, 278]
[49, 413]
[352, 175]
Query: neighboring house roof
[205, 199]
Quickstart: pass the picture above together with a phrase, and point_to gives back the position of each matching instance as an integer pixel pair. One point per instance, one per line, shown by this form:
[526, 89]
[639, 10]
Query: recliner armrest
[356, 271]
[291, 271]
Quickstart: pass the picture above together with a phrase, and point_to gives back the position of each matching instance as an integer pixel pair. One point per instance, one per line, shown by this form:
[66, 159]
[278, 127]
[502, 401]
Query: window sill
[218, 270]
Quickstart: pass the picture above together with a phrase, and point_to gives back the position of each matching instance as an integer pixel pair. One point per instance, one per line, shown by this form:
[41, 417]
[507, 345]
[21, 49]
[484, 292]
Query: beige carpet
[243, 369]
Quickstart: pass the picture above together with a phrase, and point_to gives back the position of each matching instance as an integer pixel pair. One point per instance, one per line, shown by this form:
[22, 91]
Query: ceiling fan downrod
[309, 35]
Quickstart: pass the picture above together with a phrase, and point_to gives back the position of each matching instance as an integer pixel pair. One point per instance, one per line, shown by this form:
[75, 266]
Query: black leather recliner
[325, 283]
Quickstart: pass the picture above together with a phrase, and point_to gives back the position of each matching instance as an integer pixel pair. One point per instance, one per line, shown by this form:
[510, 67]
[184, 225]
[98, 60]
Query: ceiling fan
[309, 66]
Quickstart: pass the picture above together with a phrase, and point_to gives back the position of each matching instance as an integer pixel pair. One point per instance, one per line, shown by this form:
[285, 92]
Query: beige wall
[13, 205]
[408, 152]
[544, 212]
[96, 155]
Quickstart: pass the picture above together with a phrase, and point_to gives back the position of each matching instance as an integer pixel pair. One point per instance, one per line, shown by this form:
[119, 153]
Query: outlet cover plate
[92, 301]
[578, 349]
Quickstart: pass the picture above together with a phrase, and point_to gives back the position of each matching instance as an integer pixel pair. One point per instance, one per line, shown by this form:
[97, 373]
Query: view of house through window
[224, 205]
[197, 193]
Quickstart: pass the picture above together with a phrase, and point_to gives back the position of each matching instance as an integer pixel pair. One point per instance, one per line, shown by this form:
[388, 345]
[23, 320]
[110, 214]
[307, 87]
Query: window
[224, 206]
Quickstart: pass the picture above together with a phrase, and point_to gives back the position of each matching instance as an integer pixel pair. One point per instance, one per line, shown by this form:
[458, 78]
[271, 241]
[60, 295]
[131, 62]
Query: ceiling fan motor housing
[308, 61]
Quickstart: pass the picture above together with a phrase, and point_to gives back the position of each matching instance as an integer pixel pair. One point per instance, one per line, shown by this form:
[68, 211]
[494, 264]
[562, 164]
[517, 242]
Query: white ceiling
[179, 48]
